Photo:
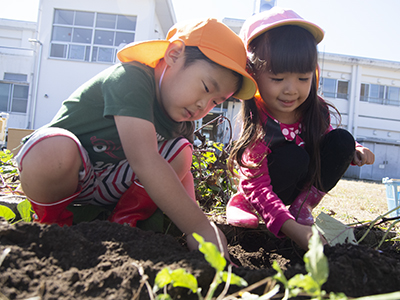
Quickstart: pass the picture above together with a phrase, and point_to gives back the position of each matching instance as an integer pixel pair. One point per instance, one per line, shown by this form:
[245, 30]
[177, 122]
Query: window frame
[335, 93]
[75, 39]
[383, 94]
[12, 99]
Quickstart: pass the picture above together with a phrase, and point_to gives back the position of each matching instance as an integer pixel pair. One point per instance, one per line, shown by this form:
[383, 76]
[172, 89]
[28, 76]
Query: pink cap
[276, 17]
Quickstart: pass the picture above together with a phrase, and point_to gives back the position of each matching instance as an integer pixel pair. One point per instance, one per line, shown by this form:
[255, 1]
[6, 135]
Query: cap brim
[148, 52]
[315, 30]
[249, 85]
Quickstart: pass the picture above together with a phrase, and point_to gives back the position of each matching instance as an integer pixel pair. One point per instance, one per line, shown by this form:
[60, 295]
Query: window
[334, 88]
[381, 94]
[364, 92]
[392, 95]
[14, 91]
[90, 36]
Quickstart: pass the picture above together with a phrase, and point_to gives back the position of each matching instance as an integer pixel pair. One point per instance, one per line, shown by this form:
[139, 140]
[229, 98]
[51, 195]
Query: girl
[288, 153]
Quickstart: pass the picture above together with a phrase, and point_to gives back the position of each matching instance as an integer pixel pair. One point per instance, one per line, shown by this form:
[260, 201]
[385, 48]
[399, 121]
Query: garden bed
[100, 260]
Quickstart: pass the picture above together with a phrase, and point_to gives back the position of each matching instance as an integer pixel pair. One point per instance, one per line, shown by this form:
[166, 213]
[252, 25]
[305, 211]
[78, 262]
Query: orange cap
[214, 39]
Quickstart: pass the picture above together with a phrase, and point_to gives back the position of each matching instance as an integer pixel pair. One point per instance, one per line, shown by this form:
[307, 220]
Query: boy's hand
[215, 236]
[363, 156]
[138, 138]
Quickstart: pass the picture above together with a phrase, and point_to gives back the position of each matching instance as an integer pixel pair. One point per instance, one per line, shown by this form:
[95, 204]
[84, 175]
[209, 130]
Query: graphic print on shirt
[107, 147]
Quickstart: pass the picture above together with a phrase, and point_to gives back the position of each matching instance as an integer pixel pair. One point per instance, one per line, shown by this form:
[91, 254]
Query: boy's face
[189, 93]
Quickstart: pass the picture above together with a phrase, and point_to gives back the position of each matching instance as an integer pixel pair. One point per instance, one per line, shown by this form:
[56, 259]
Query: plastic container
[392, 195]
[3, 127]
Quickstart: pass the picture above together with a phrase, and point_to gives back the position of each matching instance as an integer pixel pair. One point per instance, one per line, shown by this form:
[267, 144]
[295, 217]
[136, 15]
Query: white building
[74, 40]
[16, 69]
[367, 94]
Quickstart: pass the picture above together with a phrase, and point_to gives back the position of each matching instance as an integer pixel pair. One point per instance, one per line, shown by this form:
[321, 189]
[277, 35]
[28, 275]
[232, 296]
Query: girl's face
[283, 93]
[189, 93]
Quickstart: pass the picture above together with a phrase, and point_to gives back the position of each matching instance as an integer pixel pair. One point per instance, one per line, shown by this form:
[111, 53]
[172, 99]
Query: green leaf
[315, 260]
[340, 296]
[178, 277]
[162, 279]
[184, 279]
[25, 210]
[219, 146]
[305, 282]
[163, 297]
[211, 253]
[8, 169]
[235, 279]
[6, 213]
[279, 276]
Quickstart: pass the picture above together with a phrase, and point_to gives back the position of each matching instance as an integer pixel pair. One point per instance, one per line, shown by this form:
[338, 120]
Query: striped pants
[101, 187]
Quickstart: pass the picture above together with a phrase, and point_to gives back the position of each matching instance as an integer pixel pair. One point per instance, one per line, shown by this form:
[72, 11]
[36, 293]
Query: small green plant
[6, 165]
[310, 284]
[180, 278]
[214, 183]
[8, 172]
[9, 179]
[317, 267]
[24, 209]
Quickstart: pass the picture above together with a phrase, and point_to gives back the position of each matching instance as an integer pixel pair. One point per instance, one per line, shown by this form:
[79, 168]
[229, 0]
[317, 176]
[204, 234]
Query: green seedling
[317, 267]
[7, 213]
[216, 259]
[310, 284]
[307, 286]
[24, 208]
[180, 278]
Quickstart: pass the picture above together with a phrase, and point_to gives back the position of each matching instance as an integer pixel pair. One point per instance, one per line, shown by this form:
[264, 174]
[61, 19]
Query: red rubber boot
[54, 213]
[303, 205]
[134, 205]
[240, 213]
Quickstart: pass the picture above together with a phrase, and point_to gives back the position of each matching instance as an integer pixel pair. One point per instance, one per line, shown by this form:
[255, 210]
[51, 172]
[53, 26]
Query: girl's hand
[298, 233]
[363, 156]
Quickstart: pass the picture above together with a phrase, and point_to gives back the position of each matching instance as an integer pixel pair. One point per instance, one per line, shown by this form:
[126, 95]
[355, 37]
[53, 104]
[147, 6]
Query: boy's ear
[174, 51]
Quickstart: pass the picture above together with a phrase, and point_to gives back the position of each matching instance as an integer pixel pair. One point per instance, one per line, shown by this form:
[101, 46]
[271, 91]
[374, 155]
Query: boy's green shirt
[123, 90]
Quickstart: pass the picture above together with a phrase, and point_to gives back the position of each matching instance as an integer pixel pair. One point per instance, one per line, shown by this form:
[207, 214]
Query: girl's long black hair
[284, 49]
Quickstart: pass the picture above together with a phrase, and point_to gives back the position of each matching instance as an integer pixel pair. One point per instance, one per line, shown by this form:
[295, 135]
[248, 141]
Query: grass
[352, 201]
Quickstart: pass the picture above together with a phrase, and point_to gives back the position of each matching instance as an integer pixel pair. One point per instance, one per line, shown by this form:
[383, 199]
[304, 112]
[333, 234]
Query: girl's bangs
[285, 49]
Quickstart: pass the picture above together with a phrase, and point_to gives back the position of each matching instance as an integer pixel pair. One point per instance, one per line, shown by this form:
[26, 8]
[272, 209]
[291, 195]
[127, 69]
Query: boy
[132, 122]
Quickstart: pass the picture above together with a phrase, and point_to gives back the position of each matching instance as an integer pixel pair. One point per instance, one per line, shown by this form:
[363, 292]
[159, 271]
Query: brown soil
[99, 260]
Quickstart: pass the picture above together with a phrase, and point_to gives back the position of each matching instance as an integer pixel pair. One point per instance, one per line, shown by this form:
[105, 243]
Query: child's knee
[340, 141]
[51, 156]
[178, 152]
[182, 162]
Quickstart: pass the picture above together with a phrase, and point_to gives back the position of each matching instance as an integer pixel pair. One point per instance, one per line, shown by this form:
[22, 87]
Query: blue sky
[364, 28]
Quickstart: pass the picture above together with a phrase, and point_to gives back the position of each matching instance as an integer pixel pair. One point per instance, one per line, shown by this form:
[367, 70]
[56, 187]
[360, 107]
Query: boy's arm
[138, 138]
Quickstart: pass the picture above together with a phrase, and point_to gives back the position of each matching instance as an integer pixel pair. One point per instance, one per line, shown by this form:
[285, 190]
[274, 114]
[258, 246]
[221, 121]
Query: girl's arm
[257, 189]
[138, 138]
[363, 156]
[298, 233]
